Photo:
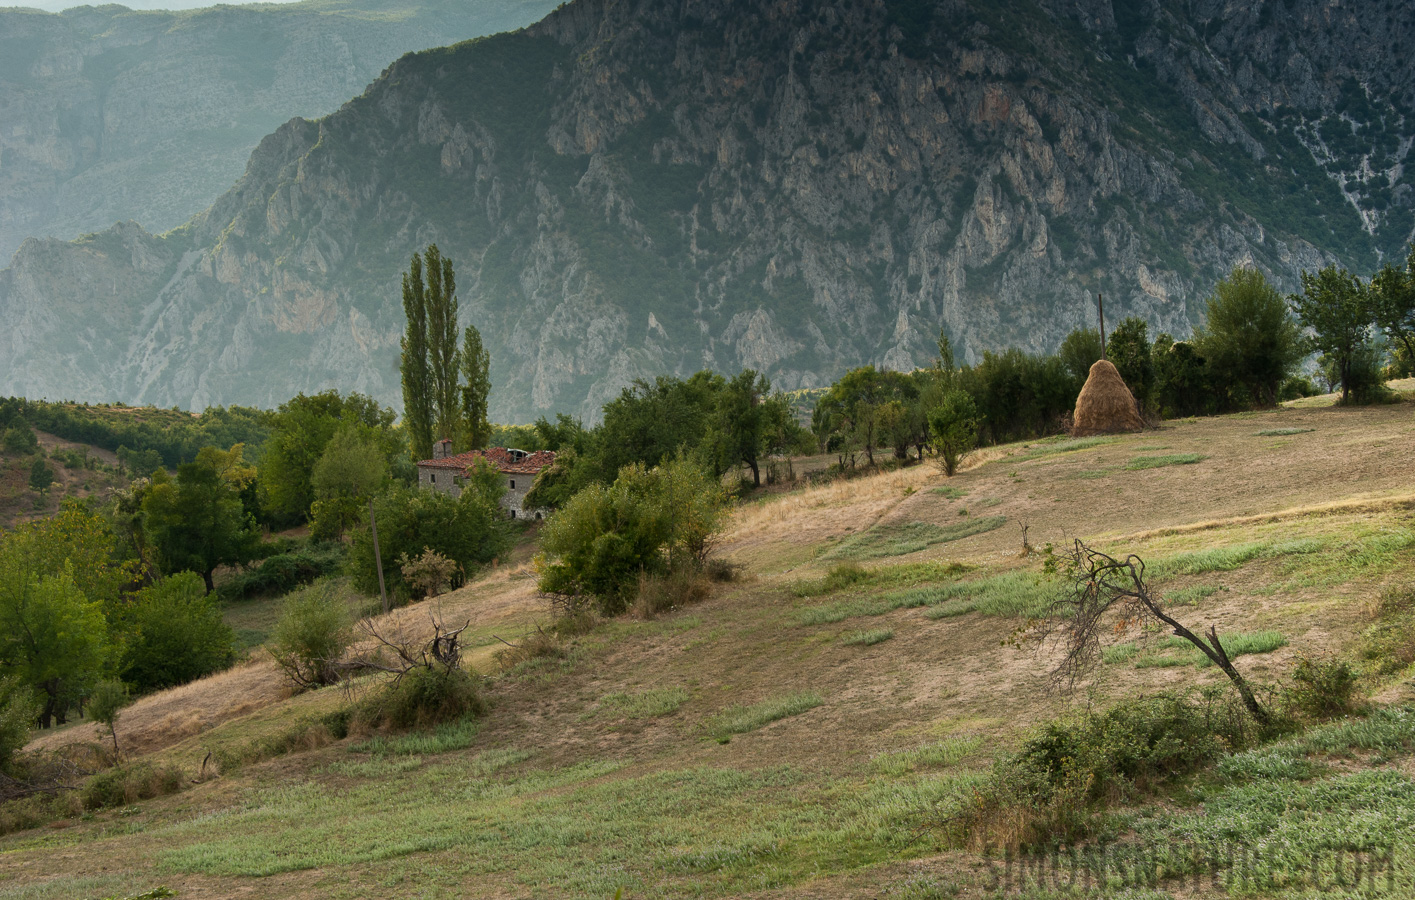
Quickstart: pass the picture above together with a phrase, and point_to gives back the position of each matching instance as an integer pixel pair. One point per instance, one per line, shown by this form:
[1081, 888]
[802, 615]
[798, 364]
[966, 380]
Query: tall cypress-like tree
[476, 387]
[417, 376]
[442, 351]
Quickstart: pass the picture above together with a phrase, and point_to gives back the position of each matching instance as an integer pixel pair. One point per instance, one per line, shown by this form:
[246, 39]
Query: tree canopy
[1249, 340]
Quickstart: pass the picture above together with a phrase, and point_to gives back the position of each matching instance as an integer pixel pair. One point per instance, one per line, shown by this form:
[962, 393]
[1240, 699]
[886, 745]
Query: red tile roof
[500, 457]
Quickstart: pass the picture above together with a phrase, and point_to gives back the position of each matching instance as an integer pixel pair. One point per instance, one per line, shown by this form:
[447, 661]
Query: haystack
[1106, 405]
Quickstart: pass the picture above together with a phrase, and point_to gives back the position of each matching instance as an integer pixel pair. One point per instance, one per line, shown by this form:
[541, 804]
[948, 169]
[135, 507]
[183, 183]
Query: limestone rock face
[634, 188]
[108, 114]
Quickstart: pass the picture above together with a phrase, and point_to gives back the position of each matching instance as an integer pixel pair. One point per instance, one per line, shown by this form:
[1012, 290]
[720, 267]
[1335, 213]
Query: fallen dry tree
[1110, 596]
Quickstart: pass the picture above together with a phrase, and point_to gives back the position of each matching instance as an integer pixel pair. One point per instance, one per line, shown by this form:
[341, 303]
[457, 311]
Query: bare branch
[1108, 597]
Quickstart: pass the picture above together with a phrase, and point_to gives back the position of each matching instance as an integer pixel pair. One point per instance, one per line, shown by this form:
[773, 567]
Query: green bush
[674, 590]
[128, 784]
[469, 530]
[281, 573]
[311, 635]
[1049, 787]
[178, 635]
[1323, 688]
[650, 521]
[424, 696]
[18, 710]
[19, 440]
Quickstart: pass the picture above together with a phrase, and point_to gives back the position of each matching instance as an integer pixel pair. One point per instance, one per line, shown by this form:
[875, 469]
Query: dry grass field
[789, 737]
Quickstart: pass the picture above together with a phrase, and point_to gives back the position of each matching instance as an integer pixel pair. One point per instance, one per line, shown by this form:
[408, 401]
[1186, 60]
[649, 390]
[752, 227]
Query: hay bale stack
[1106, 405]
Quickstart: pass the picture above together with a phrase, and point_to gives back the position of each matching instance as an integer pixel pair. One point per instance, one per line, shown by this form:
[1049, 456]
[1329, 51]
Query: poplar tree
[417, 398]
[442, 351]
[476, 387]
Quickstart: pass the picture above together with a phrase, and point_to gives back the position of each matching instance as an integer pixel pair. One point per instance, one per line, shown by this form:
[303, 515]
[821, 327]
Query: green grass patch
[847, 576]
[1055, 446]
[1223, 559]
[908, 537]
[1120, 653]
[939, 755]
[1159, 462]
[950, 493]
[1387, 730]
[1019, 593]
[867, 638]
[1176, 651]
[1191, 595]
[646, 704]
[839, 578]
[1284, 432]
[741, 719]
[442, 739]
[1293, 835]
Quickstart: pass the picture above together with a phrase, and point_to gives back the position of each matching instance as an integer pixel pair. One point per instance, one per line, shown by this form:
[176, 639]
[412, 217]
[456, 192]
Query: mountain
[633, 187]
[111, 114]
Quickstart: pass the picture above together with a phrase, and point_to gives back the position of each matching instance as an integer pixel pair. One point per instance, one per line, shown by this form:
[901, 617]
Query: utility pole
[1100, 311]
[377, 557]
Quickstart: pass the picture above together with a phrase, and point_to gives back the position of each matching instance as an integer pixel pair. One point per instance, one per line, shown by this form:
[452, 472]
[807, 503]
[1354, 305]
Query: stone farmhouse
[445, 472]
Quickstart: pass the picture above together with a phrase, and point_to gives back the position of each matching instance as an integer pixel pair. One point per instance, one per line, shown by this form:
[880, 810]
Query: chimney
[442, 449]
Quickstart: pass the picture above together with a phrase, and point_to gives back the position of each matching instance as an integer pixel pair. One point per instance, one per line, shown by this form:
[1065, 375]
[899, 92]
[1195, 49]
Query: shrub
[178, 635]
[427, 575]
[18, 710]
[424, 696]
[280, 573]
[129, 784]
[1323, 688]
[311, 635]
[19, 440]
[662, 593]
[540, 644]
[469, 530]
[651, 521]
[104, 706]
[41, 475]
[953, 429]
[1049, 787]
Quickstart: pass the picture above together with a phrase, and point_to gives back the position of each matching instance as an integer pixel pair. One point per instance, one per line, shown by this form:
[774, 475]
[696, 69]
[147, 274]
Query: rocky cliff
[108, 114]
[635, 187]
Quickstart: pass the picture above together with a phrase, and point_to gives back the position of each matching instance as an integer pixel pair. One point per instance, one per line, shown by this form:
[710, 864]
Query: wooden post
[377, 557]
[1100, 311]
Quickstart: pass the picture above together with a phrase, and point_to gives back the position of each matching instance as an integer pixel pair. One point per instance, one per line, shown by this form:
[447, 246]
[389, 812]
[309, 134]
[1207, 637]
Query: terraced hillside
[805, 730]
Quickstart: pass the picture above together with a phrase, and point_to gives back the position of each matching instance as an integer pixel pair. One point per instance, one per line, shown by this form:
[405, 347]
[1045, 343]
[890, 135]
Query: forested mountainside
[634, 187]
[108, 114]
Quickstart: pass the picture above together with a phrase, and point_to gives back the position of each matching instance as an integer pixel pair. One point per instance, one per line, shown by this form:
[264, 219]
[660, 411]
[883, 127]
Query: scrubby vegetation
[844, 658]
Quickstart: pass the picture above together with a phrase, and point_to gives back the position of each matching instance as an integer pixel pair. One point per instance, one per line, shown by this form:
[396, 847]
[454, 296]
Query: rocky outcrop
[108, 114]
[633, 188]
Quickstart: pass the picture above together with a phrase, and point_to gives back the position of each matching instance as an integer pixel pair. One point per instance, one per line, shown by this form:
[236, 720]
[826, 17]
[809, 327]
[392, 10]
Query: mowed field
[794, 735]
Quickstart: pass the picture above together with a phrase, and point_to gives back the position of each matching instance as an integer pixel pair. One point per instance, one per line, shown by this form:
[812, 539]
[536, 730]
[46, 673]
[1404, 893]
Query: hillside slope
[610, 766]
[112, 114]
[637, 188]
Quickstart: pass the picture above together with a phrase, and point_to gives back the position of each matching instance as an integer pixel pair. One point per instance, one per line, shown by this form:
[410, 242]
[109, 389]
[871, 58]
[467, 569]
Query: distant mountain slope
[108, 114]
[639, 187]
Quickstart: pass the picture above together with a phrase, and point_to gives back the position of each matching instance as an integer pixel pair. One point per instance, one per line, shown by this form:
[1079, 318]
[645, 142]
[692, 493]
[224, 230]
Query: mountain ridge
[115, 113]
[632, 189]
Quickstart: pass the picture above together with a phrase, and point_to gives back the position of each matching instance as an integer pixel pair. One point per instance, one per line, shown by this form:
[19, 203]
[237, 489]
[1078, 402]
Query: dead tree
[1110, 596]
[442, 649]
